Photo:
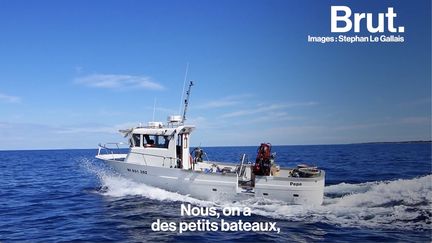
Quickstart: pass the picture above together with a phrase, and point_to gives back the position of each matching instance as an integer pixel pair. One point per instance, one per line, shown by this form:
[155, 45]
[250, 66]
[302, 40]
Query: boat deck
[244, 172]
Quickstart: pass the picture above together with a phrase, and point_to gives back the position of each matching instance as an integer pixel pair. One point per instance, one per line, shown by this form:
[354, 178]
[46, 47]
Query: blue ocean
[373, 193]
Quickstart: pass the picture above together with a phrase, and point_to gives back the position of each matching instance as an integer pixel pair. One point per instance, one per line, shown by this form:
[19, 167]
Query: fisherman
[198, 155]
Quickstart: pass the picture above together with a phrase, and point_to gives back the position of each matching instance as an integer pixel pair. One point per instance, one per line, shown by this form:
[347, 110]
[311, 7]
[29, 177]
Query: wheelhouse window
[155, 141]
[136, 139]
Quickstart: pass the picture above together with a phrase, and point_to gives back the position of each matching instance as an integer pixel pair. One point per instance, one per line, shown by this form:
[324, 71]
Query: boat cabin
[161, 146]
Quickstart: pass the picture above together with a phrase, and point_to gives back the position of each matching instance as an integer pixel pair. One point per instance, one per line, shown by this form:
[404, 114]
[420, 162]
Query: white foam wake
[403, 204]
[378, 194]
[115, 186]
[388, 204]
[118, 187]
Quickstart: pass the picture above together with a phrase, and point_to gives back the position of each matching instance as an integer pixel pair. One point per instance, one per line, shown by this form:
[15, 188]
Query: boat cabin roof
[163, 130]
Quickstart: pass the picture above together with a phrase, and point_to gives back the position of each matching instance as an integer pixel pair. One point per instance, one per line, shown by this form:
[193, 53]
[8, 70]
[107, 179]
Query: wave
[116, 186]
[397, 204]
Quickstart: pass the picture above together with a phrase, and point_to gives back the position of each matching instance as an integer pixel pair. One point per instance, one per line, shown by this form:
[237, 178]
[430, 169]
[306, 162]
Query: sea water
[373, 193]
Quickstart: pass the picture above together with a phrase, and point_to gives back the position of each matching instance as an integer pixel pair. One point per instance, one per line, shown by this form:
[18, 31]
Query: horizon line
[225, 146]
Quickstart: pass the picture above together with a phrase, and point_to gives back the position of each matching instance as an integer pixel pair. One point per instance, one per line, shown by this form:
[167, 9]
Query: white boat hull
[217, 186]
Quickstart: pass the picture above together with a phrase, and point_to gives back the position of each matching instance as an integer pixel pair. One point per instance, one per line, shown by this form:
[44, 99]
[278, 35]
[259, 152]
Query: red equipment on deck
[262, 162]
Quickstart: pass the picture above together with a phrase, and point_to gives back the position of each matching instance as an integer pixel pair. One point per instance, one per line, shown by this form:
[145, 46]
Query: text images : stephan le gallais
[356, 39]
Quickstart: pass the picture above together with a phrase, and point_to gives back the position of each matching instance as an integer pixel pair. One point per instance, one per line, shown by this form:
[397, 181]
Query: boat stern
[303, 191]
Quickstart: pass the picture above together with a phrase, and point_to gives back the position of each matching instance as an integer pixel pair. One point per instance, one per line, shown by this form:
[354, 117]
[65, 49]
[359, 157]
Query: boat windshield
[155, 141]
[136, 140]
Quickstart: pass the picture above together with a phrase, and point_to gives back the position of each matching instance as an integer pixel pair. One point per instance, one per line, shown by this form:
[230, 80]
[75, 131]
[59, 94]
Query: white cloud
[9, 98]
[82, 128]
[268, 108]
[358, 126]
[416, 102]
[116, 81]
[276, 116]
[415, 120]
[400, 121]
[225, 101]
[78, 69]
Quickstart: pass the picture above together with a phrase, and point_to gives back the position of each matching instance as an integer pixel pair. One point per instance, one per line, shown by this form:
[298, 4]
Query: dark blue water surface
[374, 193]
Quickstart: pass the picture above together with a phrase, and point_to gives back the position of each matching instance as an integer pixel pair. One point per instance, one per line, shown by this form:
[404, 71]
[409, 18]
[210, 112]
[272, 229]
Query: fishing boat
[160, 155]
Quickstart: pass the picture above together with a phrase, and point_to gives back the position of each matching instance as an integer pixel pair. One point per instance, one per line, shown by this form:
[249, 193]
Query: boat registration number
[137, 171]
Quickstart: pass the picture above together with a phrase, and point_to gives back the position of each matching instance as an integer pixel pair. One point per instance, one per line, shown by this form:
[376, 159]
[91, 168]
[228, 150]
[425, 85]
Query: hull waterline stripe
[188, 179]
[169, 177]
[226, 182]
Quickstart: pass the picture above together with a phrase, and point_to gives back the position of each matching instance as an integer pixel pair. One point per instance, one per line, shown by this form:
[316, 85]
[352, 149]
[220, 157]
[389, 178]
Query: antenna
[186, 101]
[184, 84]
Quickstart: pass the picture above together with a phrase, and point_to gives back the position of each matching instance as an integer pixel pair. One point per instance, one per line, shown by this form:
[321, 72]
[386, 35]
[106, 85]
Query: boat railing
[110, 148]
[242, 167]
[241, 170]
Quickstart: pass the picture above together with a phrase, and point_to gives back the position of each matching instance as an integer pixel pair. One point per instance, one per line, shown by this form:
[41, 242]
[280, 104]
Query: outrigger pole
[186, 102]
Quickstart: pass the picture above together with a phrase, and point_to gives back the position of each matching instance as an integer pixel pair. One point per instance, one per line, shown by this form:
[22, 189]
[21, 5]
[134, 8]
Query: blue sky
[74, 72]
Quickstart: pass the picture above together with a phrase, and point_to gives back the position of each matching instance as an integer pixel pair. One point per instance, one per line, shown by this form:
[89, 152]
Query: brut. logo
[342, 14]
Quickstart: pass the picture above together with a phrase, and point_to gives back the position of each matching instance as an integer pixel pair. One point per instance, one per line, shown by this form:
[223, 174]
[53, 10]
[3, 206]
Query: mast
[184, 84]
[186, 102]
